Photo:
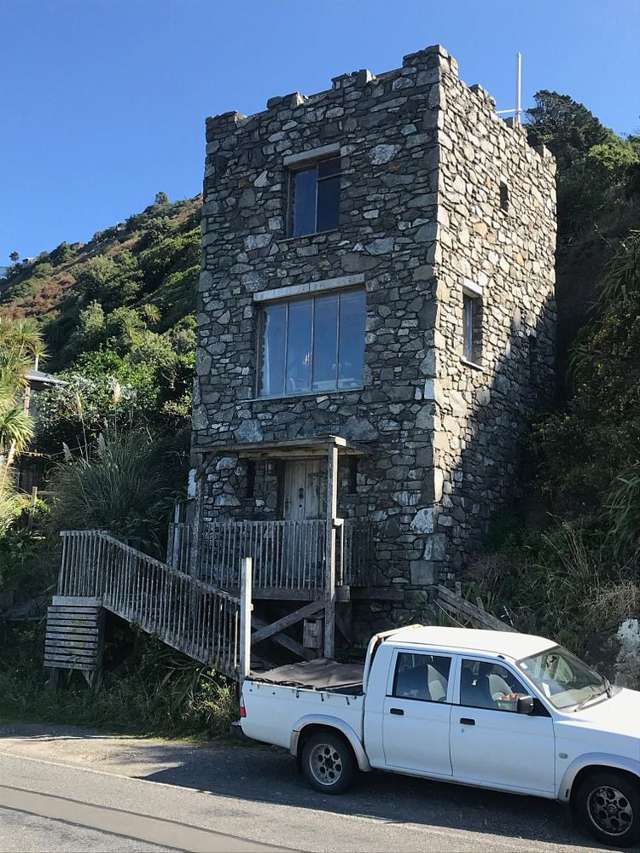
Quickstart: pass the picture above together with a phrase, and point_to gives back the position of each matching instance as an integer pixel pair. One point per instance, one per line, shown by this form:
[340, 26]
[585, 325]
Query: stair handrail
[193, 616]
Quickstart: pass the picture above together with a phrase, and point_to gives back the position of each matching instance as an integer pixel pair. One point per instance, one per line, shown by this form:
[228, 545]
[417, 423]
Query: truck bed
[277, 700]
[321, 674]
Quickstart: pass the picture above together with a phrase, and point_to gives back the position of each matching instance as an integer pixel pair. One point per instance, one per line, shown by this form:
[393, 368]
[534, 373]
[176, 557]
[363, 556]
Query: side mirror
[526, 704]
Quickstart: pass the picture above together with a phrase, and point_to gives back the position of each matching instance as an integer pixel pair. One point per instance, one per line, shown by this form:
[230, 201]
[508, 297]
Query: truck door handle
[467, 721]
[397, 711]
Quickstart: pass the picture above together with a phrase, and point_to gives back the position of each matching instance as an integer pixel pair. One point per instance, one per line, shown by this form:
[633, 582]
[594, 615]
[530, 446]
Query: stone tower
[378, 265]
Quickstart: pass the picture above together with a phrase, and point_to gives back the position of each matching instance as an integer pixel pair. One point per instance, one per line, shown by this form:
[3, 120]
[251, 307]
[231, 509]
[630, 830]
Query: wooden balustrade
[287, 555]
[192, 616]
[179, 546]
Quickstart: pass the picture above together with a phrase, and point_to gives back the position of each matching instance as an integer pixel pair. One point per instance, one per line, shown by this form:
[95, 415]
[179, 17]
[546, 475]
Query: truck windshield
[563, 678]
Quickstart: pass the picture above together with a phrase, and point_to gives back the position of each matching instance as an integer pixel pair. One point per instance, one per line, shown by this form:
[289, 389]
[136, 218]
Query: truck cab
[499, 710]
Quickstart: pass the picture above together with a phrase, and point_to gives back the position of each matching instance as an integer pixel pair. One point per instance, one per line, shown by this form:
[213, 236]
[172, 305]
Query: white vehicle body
[540, 753]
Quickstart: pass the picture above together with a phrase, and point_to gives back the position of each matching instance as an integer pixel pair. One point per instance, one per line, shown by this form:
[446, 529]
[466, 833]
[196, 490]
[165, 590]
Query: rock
[257, 241]
[423, 520]
[249, 430]
[359, 429]
[381, 246]
[226, 501]
[422, 573]
[381, 154]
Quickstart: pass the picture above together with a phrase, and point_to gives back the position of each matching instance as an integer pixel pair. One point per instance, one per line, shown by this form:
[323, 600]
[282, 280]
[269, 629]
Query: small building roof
[506, 643]
[38, 377]
[286, 448]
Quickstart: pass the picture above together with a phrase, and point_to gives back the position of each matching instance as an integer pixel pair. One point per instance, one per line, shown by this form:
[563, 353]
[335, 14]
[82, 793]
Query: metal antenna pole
[518, 109]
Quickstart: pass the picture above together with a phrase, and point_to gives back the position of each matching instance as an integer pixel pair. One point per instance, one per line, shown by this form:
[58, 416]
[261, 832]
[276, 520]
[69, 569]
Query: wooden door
[304, 490]
[305, 500]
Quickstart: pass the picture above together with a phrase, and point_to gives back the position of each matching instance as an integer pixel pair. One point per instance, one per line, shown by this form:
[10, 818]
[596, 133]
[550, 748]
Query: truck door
[491, 743]
[416, 713]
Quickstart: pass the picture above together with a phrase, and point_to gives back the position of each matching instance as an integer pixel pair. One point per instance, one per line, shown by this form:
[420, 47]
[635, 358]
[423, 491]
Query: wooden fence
[192, 616]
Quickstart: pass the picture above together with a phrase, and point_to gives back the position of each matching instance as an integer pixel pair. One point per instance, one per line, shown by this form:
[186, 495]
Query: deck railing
[188, 614]
[356, 552]
[287, 555]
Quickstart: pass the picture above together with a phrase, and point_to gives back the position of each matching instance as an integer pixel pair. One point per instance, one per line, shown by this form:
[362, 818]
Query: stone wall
[496, 238]
[420, 154]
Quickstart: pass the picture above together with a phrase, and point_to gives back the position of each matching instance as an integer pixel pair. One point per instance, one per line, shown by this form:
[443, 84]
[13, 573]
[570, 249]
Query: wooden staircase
[192, 616]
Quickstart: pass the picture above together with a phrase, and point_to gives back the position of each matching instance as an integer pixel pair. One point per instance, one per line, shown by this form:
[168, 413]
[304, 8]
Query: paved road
[62, 789]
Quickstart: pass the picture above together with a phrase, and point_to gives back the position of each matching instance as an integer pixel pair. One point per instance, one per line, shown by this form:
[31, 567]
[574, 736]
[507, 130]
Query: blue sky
[103, 101]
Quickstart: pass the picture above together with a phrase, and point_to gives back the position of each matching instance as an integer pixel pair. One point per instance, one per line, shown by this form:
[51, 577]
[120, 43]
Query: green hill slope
[117, 314]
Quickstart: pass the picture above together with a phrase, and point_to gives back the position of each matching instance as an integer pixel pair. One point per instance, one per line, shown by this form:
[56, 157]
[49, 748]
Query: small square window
[484, 684]
[314, 197]
[472, 328]
[421, 676]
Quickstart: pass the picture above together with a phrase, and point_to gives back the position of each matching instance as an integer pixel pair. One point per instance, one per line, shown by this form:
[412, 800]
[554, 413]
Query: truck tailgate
[273, 711]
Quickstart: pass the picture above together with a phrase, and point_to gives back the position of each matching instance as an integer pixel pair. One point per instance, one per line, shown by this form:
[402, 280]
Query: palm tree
[21, 346]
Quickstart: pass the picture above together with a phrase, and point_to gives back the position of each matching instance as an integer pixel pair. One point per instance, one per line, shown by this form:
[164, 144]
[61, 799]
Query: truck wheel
[607, 804]
[328, 762]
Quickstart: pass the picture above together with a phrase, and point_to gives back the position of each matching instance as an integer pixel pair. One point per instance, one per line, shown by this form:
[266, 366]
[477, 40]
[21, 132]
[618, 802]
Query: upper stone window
[314, 197]
[312, 345]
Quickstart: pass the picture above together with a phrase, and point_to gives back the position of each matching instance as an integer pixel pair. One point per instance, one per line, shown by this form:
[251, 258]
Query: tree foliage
[597, 169]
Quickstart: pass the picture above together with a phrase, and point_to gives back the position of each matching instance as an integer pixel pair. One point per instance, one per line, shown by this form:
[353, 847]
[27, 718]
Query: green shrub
[123, 485]
[155, 691]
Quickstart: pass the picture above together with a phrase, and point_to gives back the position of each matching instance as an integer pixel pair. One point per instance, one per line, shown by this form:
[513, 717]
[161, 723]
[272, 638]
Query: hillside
[153, 259]
[117, 315]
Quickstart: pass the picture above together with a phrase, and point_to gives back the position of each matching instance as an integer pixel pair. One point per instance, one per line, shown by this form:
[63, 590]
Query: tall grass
[123, 485]
[153, 691]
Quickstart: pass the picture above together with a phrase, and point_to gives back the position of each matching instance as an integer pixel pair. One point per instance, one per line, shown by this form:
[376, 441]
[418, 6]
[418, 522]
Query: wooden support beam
[330, 551]
[285, 641]
[287, 621]
[462, 609]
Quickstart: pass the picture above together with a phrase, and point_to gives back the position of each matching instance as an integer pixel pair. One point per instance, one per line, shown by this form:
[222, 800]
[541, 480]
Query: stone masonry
[439, 197]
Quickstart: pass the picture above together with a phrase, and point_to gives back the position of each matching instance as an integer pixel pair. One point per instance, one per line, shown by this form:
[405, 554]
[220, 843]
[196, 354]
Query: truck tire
[607, 805]
[328, 762]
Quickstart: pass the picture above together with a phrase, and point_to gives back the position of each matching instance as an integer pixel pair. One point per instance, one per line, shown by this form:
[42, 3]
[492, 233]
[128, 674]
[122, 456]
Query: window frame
[287, 301]
[451, 679]
[302, 166]
[472, 298]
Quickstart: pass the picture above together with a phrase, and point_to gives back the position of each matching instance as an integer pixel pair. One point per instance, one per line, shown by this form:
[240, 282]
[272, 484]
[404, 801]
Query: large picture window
[312, 345]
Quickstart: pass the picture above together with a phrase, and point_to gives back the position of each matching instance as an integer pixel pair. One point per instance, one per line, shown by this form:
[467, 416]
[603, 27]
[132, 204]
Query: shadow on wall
[483, 450]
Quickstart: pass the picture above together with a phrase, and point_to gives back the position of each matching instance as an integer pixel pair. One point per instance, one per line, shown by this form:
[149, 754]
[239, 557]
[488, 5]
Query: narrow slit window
[504, 197]
[314, 197]
[472, 328]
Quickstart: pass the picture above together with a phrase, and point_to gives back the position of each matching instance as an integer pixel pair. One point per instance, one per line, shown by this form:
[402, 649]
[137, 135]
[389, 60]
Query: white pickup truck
[499, 710]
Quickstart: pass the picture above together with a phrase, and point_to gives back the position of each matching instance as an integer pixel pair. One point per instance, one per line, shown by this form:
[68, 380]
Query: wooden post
[176, 543]
[330, 551]
[196, 533]
[246, 567]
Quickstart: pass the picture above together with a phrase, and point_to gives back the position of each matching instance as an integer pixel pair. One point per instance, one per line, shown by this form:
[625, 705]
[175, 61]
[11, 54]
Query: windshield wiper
[607, 690]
